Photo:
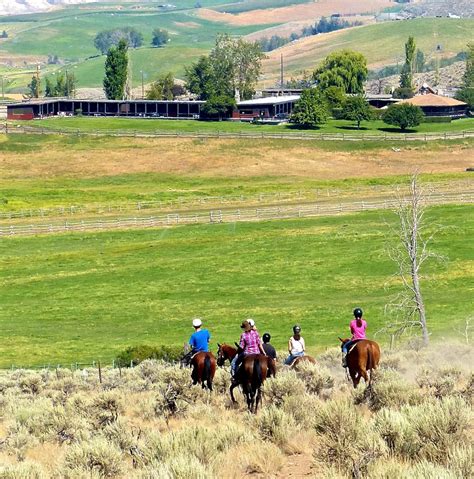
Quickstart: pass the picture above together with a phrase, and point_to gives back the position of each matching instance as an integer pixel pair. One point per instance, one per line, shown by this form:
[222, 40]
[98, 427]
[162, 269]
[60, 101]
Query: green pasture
[375, 127]
[83, 297]
[249, 5]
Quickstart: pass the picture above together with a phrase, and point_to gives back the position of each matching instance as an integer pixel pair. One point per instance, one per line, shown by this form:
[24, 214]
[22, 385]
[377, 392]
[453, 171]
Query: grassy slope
[86, 296]
[381, 43]
[149, 125]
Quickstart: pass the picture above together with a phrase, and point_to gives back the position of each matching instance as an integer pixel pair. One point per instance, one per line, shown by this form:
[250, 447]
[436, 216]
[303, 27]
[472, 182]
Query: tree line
[324, 25]
[107, 39]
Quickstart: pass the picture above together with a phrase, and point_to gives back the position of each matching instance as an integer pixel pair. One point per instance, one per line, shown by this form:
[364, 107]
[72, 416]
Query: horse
[302, 359]
[362, 358]
[204, 368]
[253, 371]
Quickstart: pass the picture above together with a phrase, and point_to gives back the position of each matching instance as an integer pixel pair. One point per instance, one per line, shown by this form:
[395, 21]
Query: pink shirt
[249, 342]
[358, 332]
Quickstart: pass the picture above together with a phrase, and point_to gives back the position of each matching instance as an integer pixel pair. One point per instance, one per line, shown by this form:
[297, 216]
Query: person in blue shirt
[199, 340]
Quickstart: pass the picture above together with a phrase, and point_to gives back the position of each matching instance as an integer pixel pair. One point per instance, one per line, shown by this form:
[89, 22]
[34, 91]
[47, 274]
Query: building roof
[269, 100]
[431, 99]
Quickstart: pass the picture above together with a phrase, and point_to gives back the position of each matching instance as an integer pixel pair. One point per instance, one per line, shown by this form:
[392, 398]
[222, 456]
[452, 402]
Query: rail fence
[398, 137]
[222, 216]
[317, 194]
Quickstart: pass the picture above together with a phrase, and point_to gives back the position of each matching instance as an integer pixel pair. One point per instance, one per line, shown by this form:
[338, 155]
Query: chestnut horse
[204, 369]
[302, 359]
[362, 358]
[253, 371]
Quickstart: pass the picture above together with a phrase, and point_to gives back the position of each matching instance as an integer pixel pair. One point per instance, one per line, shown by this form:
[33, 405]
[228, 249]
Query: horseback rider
[250, 343]
[199, 340]
[358, 327]
[296, 346]
[268, 348]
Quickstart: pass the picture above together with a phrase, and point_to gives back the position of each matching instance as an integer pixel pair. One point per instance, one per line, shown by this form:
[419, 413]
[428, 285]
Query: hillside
[381, 43]
[14, 7]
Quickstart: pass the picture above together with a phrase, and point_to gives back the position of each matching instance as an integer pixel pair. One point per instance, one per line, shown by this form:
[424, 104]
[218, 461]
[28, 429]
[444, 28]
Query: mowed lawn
[376, 127]
[84, 297]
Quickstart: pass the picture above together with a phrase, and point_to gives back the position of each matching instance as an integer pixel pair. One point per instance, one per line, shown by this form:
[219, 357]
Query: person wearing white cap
[199, 340]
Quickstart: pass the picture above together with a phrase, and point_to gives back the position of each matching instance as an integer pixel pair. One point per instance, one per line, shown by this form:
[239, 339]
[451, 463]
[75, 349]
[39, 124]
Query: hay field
[295, 12]
[389, 37]
[416, 423]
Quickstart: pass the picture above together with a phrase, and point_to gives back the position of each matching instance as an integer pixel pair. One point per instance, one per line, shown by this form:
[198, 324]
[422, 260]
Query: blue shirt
[199, 340]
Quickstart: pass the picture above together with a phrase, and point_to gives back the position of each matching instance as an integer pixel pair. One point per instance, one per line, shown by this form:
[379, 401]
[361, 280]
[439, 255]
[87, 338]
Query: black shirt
[269, 350]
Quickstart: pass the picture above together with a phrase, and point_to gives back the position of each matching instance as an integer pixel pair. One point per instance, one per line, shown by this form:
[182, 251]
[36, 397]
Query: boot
[344, 361]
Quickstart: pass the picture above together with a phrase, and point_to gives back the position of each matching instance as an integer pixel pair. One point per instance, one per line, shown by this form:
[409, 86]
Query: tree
[403, 115]
[420, 61]
[108, 38]
[335, 96]
[200, 78]
[34, 87]
[403, 93]
[466, 93]
[406, 75]
[410, 254]
[160, 37]
[218, 106]
[4, 34]
[345, 69]
[162, 88]
[232, 69]
[116, 65]
[310, 110]
[356, 108]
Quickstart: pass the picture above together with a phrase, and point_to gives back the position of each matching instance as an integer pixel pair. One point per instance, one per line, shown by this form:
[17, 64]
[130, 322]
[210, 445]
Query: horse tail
[370, 358]
[206, 374]
[257, 373]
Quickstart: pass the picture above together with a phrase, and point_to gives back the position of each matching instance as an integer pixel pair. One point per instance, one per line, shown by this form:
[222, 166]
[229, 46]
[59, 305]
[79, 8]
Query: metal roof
[269, 100]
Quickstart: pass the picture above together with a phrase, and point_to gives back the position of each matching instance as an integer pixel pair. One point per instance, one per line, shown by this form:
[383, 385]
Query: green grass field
[376, 127]
[84, 297]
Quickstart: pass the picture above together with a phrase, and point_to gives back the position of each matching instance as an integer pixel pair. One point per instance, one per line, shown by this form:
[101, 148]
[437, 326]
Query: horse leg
[363, 373]
[259, 398]
[232, 387]
[353, 375]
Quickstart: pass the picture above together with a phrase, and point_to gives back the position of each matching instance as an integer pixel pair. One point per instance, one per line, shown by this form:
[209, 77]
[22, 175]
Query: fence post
[100, 373]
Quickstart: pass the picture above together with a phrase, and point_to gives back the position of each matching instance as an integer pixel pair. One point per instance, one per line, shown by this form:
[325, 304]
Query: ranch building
[272, 107]
[437, 105]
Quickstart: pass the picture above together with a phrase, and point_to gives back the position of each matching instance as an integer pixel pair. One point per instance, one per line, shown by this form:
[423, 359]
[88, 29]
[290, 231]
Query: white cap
[251, 322]
[197, 322]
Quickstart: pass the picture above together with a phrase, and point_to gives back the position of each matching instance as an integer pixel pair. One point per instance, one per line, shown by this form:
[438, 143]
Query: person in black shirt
[267, 347]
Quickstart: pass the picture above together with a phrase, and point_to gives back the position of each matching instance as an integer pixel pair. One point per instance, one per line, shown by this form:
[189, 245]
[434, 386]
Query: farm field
[375, 127]
[451, 34]
[84, 297]
[44, 171]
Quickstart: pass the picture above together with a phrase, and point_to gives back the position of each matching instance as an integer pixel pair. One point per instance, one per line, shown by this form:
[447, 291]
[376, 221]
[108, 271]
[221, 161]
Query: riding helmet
[358, 313]
[266, 338]
[251, 322]
[296, 329]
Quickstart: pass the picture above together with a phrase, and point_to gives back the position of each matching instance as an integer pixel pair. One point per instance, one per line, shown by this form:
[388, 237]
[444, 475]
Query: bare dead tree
[410, 254]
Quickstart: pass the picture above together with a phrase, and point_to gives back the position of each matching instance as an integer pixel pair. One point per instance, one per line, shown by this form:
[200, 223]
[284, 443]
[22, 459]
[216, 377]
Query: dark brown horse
[253, 371]
[302, 359]
[204, 369]
[362, 358]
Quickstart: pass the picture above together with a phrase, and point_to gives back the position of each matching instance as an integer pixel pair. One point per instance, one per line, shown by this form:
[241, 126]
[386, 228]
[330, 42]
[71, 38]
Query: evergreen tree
[466, 93]
[116, 65]
[200, 78]
[406, 75]
[34, 87]
[162, 88]
[160, 37]
[311, 109]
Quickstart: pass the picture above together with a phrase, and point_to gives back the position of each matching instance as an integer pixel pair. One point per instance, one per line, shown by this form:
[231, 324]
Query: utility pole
[37, 80]
[281, 73]
[67, 85]
[3, 88]
[143, 86]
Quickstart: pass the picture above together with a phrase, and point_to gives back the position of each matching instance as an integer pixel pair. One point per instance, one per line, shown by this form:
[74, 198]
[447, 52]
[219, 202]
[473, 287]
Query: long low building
[131, 108]
[265, 108]
[437, 105]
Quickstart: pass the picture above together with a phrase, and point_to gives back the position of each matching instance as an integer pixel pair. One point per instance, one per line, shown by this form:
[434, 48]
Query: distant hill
[382, 44]
[14, 7]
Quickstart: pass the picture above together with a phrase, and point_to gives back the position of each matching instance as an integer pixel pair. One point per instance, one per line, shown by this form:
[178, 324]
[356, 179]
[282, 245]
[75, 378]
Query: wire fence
[217, 216]
[179, 203]
[295, 135]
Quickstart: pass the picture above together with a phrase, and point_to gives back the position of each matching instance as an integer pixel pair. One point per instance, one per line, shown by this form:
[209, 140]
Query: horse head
[224, 352]
[343, 341]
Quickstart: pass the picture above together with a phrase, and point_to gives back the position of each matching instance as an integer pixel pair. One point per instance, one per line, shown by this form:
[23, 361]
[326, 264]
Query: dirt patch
[230, 158]
[296, 12]
[187, 24]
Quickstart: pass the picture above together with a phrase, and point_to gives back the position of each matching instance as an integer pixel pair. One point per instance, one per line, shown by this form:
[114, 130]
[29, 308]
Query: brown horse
[302, 359]
[362, 358]
[204, 369]
[253, 371]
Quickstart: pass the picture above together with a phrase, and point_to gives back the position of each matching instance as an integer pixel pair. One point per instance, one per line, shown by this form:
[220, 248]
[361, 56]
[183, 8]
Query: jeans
[292, 357]
[234, 364]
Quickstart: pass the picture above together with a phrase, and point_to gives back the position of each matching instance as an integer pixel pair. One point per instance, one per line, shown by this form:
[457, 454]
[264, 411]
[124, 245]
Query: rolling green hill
[381, 43]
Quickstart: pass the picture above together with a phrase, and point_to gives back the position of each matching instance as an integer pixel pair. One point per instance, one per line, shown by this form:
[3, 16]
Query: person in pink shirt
[250, 343]
[358, 327]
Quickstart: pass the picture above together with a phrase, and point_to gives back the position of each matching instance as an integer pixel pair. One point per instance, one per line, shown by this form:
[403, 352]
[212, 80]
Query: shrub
[93, 457]
[275, 425]
[460, 460]
[315, 378]
[403, 115]
[437, 119]
[106, 408]
[284, 385]
[25, 470]
[441, 383]
[400, 470]
[136, 354]
[303, 409]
